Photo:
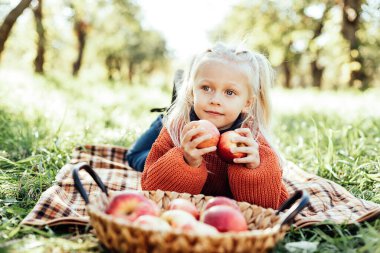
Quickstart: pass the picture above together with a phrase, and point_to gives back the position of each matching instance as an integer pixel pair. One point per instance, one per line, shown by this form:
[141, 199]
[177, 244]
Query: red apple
[177, 218]
[225, 219]
[225, 144]
[131, 205]
[217, 201]
[184, 205]
[152, 222]
[210, 128]
[198, 228]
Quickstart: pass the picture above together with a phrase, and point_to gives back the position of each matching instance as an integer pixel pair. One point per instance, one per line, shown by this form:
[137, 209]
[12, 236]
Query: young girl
[230, 89]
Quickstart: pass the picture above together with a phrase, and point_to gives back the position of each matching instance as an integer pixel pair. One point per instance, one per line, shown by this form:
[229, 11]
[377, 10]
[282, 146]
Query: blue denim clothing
[139, 151]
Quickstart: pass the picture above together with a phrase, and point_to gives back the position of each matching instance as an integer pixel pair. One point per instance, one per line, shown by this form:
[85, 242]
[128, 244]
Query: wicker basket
[266, 226]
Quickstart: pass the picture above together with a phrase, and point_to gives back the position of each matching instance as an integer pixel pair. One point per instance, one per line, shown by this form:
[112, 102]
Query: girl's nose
[215, 98]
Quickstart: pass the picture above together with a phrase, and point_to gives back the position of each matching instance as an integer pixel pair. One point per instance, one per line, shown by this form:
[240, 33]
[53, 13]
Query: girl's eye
[230, 92]
[205, 88]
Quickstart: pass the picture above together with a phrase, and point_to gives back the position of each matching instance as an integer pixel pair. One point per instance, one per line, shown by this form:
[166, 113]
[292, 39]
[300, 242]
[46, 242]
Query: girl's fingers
[198, 140]
[242, 160]
[250, 147]
[188, 127]
[248, 141]
[244, 131]
[185, 129]
[245, 137]
[248, 160]
[191, 133]
[247, 150]
[207, 150]
[195, 153]
[191, 140]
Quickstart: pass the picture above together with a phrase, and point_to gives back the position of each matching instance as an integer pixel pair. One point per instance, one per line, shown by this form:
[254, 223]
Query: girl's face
[221, 91]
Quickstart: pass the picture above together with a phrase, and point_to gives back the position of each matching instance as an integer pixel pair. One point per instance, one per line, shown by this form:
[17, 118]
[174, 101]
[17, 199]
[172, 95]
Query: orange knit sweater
[166, 169]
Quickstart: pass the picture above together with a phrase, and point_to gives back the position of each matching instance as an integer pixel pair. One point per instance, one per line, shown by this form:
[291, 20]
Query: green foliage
[18, 136]
[27, 174]
[302, 38]
[117, 45]
[53, 115]
[345, 152]
[126, 47]
[333, 238]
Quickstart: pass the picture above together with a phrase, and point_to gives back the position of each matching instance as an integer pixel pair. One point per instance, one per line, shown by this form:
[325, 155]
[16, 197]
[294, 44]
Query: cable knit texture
[166, 169]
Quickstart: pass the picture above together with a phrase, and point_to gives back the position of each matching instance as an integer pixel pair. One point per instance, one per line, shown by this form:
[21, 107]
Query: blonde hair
[257, 118]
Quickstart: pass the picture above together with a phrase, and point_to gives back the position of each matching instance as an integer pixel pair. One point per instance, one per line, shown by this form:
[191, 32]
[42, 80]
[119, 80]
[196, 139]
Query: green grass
[327, 145]
[38, 133]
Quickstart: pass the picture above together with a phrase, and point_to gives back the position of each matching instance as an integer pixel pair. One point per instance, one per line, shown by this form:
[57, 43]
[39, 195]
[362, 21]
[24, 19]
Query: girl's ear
[248, 105]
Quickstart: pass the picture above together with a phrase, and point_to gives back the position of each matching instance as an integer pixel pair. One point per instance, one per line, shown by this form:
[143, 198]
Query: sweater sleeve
[261, 186]
[166, 169]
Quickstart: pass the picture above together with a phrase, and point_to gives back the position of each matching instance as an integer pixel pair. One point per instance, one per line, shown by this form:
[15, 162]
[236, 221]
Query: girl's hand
[189, 143]
[252, 160]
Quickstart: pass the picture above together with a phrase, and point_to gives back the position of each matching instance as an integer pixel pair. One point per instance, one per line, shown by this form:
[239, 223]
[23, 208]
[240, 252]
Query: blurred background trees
[71, 36]
[324, 44]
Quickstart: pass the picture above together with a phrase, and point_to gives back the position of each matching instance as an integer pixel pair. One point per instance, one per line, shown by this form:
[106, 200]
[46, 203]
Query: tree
[10, 20]
[351, 11]
[41, 44]
[271, 27]
[81, 19]
[128, 49]
[316, 68]
[141, 53]
[302, 39]
[80, 28]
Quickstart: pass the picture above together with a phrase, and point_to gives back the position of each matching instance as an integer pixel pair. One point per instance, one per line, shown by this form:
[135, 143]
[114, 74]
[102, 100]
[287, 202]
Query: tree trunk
[40, 58]
[350, 25]
[10, 20]
[131, 72]
[316, 70]
[287, 73]
[109, 66]
[81, 32]
[286, 65]
[317, 73]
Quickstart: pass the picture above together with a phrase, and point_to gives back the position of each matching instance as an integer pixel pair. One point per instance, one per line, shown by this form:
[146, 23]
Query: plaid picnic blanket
[62, 204]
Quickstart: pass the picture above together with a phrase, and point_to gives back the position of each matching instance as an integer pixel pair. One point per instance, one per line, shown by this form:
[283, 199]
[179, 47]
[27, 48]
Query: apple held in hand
[220, 200]
[225, 219]
[131, 205]
[184, 205]
[225, 144]
[210, 128]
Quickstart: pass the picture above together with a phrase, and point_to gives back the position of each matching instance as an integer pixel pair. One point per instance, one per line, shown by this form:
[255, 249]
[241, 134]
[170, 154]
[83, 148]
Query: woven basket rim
[94, 210]
[123, 223]
[185, 195]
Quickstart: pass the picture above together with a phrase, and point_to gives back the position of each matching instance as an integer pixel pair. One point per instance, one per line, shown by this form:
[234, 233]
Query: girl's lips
[214, 113]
